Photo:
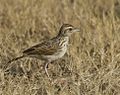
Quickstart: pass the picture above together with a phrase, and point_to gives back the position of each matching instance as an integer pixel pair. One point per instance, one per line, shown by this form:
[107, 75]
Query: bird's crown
[67, 30]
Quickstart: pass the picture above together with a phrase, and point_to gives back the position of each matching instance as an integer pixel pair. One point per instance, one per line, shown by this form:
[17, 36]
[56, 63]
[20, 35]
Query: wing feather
[45, 48]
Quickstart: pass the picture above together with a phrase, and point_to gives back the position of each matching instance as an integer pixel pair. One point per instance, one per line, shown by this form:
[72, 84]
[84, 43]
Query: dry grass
[92, 64]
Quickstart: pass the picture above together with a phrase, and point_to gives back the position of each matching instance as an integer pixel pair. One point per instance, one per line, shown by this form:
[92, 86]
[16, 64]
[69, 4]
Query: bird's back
[48, 50]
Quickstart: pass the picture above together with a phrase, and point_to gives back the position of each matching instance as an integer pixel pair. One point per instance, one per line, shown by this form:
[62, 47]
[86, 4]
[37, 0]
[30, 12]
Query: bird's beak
[76, 30]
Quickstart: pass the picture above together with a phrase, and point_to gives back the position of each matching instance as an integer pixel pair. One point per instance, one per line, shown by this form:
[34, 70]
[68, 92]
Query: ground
[91, 65]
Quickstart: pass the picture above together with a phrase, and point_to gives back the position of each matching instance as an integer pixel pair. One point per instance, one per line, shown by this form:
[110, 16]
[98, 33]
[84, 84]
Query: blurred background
[92, 63]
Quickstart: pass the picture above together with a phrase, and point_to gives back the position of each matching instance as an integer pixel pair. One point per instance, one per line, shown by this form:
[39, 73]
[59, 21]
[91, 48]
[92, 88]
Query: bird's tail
[14, 59]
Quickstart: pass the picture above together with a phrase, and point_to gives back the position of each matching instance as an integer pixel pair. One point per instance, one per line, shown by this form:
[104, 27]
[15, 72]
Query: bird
[51, 49]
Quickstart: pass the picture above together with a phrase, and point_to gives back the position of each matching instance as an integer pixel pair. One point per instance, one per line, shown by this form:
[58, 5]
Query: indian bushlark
[52, 49]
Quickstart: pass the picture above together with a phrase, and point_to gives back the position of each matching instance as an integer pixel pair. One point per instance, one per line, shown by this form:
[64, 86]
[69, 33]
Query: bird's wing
[44, 48]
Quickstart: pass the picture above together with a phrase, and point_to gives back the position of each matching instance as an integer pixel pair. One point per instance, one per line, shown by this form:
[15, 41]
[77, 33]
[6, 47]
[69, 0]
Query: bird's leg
[46, 71]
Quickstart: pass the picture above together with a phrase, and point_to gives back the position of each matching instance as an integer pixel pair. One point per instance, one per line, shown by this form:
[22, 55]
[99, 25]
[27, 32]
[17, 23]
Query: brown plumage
[51, 49]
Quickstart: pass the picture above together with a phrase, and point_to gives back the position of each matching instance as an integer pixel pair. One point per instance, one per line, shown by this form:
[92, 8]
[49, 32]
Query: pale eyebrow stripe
[68, 28]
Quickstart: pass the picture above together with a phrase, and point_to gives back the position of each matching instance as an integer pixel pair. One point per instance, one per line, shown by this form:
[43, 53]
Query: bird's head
[66, 30]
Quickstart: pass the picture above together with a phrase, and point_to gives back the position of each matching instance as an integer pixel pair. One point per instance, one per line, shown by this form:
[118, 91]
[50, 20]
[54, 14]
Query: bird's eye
[70, 29]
